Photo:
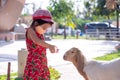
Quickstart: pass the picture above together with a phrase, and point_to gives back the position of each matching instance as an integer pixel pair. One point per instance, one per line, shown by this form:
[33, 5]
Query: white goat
[93, 70]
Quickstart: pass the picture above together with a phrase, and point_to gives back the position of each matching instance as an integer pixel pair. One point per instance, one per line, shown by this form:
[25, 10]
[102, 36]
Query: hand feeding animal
[93, 69]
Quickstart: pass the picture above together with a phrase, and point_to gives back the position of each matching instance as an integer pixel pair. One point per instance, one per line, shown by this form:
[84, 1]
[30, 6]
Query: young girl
[36, 66]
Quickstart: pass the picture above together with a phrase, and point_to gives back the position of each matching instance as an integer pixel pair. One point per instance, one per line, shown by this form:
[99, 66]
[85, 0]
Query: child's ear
[36, 23]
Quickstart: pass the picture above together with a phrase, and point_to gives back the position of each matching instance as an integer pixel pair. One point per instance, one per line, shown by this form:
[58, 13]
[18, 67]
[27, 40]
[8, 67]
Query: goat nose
[64, 57]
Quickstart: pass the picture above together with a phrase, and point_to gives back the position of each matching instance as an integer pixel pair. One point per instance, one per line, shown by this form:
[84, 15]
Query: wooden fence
[109, 34]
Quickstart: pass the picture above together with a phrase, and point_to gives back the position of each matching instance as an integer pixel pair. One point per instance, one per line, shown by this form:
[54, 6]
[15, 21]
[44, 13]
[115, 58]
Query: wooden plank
[8, 71]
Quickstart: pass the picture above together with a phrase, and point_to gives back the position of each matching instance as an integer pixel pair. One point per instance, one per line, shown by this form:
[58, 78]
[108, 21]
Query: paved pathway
[90, 48]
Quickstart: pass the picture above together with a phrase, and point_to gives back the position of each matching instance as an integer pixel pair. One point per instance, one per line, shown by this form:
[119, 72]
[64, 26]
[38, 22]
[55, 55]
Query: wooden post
[77, 35]
[22, 55]
[0, 3]
[65, 34]
[8, 71]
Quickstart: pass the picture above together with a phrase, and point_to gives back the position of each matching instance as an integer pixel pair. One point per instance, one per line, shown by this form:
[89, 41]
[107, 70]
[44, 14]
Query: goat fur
[93, 69]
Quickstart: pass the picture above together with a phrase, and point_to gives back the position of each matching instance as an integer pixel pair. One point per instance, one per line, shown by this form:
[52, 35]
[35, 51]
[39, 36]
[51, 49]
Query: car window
[92, 24]
[102, 25]
[97, 25]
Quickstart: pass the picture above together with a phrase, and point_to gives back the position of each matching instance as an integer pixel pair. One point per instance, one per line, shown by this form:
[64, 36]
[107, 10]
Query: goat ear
[80, 61]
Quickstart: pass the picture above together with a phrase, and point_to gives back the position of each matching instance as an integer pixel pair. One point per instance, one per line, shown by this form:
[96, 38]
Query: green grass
[68, 37]
[79, 37]
[108, 57]
[13, 77]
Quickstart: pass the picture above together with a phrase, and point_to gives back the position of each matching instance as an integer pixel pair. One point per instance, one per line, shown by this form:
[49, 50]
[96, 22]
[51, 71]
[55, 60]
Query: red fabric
[43, 14]
[36, 65]
[41, 17]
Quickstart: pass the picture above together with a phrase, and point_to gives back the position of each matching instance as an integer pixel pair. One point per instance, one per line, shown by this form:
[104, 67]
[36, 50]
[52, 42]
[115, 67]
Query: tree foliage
[62, 11]
[98, 8]
[102, 10]
[89, 8]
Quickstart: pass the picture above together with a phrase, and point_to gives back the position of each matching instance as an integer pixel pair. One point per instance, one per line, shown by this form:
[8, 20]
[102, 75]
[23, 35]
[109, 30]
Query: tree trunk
[65, 35]
[117, 13]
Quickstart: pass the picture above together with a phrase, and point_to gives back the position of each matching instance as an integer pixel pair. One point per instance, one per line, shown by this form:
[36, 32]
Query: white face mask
[43, 28]
[40, 30]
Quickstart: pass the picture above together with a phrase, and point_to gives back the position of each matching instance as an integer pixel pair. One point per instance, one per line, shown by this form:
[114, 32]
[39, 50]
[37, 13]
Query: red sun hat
[43, 14]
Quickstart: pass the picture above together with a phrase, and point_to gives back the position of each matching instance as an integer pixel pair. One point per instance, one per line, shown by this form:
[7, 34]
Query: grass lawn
[74, 37]
[108, 57]
[13, 77]
[68, 37]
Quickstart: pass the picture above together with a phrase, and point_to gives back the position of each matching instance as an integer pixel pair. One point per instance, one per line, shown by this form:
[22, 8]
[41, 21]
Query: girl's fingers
[56, 50]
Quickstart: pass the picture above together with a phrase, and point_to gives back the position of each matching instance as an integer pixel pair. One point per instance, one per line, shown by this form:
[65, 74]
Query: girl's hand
[53, 49]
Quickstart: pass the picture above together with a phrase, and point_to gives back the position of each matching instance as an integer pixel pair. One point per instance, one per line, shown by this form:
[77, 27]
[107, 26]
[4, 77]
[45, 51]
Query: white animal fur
[93, 70]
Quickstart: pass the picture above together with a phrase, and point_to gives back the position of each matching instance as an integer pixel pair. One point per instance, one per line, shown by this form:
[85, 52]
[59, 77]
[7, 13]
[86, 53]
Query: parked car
[99, 25]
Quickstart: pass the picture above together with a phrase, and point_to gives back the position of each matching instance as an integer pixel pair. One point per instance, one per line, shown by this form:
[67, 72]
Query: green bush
[54, 74]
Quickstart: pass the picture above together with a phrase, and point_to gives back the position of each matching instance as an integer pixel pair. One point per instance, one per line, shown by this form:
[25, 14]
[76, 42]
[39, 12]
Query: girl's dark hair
[39, 22]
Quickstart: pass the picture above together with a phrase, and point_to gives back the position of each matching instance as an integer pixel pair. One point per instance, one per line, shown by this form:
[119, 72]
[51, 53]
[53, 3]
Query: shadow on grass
[18, 78]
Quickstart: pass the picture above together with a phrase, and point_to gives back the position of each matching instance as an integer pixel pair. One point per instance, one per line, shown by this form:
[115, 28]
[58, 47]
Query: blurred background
[72, 18]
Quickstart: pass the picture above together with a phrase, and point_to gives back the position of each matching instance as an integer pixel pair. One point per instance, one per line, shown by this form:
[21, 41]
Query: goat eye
[72, 51]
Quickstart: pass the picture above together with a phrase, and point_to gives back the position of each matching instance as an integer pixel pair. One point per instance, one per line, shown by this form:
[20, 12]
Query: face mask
[40, 30]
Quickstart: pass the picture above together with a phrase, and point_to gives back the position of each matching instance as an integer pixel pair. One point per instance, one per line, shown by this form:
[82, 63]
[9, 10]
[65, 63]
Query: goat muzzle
[64, 57]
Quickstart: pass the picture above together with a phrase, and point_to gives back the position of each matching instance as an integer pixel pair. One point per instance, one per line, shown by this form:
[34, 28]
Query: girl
[36, 66]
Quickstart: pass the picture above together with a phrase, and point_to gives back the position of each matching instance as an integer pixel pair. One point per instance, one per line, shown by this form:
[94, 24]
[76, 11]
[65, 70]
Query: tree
[97, 8]
[112, 5]
[102, 10]
[62, 12]
[89, 8]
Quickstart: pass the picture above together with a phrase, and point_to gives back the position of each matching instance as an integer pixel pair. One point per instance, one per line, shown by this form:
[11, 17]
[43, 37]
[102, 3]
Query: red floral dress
[36, 66]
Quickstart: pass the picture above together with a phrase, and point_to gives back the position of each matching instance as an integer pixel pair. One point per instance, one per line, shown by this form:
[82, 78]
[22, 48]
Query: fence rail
[112, 34]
